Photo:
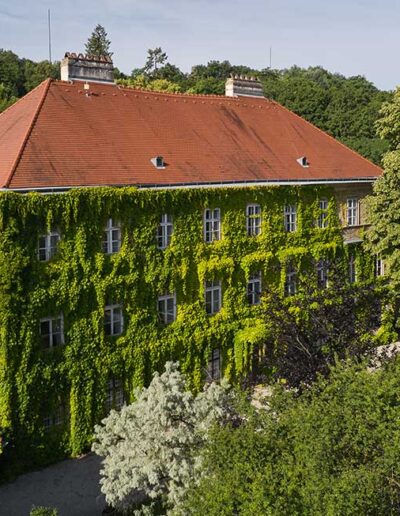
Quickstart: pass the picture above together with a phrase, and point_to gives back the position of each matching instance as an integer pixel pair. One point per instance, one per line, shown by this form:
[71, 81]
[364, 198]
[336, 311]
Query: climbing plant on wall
[80, 280]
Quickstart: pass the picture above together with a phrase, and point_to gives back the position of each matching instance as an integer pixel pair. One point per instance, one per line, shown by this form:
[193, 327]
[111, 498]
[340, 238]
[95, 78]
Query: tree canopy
[151, 447]
[383, 237]
[98, 45]
[333, 450]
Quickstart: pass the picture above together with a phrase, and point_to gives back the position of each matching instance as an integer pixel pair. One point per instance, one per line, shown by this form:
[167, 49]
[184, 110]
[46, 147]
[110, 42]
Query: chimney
[240, 86]
[77, 67]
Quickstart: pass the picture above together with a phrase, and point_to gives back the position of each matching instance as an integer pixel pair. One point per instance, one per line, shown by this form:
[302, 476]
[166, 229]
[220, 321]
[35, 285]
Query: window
[322, 274]
[115, 395]
[47, 246]
[213, 296]
[379, 269]
[290, 218]
[167, 308]
[113, 320]
[214, 365]
[291, 281]
[352, 212]
[254, 289]
[112, 237]
[54, 419]
[212, 225]
[164, 231]
[352, 270]
[52, 331]
[253, 213]
[322, 220]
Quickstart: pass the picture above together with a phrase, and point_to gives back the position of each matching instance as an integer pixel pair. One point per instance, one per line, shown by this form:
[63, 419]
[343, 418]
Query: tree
[11, 75]
[142, 82]
[155, 58]
[333, 450]
[311, 330]
[151, 447]
[35, 73]
[383, 237]
[5, 100]
[98, 45]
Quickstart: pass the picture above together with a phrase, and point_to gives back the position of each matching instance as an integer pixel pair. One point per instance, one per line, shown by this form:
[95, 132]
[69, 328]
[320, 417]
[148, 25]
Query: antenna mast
[270, 57]
[49, 27]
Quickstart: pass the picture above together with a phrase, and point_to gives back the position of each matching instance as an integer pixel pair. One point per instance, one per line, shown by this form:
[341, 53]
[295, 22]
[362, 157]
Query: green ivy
[80, 278]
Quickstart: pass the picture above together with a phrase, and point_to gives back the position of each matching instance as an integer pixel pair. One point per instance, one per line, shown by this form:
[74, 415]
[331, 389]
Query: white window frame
[113, 308]
[322, 268]
[166, 316]
[212, 224]
[214, 365]
[110, 244]
[164, 231]
[254, 288]
[379, 266]
[52, 320]
[253, 219]
[353, 212]
[352, 269]
[49, 249]
[290, 218]
[115, 396]
[213, 291]
[290, 281]
[322, 220]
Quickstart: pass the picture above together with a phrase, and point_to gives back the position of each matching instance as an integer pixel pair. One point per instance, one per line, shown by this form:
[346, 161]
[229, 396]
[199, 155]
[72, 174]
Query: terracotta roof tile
[58, 137]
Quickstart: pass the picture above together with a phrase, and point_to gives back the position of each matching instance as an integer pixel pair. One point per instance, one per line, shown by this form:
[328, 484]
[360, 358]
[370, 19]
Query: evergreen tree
[98, 45]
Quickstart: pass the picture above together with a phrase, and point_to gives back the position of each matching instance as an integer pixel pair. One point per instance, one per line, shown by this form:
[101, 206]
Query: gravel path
[72, 486]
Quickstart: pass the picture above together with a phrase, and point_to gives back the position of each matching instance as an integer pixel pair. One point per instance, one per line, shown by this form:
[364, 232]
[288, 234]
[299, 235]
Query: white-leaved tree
[151, 448]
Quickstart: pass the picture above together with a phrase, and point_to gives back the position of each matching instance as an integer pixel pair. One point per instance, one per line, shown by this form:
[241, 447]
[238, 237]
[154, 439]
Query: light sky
[352, 37]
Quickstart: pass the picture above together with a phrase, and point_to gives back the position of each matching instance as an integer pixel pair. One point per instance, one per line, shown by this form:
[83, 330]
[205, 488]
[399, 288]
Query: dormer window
[158, 162]
[303, 161]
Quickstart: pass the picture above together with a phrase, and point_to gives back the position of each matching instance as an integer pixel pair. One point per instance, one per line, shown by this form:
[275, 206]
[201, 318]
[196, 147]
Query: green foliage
[333, 450]
[98, 45]
[383, 236]
[151, 448]
[389, 124]
[80, 279]
[43, 511]
[35, 73]
[5, 100]
[155, 59]
[142, 82]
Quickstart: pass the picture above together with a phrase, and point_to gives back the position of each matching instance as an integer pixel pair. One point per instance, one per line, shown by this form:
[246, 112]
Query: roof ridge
[327, 134]
[46, 84]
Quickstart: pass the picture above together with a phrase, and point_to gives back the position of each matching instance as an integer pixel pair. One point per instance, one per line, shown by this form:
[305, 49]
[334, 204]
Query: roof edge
[46, 84]
[175, 186]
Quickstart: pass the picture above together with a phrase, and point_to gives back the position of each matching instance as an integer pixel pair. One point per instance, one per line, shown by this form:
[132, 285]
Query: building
[137, 227]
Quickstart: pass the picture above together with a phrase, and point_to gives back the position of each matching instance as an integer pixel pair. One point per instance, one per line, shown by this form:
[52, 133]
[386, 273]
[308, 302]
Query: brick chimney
[78, 67]
[240, 86]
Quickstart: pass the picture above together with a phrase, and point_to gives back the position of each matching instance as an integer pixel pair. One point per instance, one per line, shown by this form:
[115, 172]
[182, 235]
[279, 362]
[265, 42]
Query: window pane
[107, 321]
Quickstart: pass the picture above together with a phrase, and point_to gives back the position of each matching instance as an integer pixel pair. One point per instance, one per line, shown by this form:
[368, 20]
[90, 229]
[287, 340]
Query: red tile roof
[57, 136]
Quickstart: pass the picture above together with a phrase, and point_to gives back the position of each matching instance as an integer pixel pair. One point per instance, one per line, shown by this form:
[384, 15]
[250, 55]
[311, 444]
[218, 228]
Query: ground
[72, 486]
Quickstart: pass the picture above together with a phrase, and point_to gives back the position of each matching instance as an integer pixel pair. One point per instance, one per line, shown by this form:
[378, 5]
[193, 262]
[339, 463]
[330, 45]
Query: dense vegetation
[346, 108]
[333, 450]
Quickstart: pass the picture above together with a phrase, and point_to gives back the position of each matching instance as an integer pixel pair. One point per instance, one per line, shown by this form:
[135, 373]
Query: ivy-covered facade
[81, 327]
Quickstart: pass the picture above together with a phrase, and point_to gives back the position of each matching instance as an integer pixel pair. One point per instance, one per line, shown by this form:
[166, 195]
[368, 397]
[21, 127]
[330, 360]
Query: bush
[43, 511]
[335, 449]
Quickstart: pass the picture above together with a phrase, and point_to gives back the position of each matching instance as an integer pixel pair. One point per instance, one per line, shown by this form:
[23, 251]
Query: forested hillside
[347, 108]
